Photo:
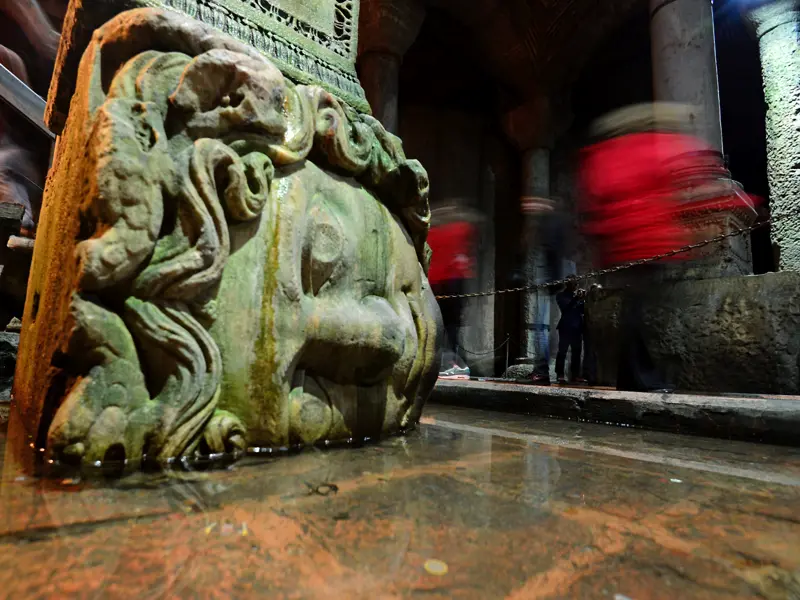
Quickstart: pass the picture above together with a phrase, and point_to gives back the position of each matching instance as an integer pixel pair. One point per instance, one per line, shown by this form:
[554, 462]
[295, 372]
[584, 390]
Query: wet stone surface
[473, 505]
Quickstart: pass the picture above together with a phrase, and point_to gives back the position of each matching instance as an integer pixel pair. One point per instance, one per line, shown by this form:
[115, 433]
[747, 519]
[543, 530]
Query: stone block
[731, 334]
[310, 42]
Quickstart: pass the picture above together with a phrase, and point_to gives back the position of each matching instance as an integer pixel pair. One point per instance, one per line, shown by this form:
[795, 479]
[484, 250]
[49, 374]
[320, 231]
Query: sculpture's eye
[323, 249]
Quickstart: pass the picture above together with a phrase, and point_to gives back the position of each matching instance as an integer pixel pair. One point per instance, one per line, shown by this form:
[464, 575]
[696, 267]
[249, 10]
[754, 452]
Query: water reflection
[444, 512]
[542, 473]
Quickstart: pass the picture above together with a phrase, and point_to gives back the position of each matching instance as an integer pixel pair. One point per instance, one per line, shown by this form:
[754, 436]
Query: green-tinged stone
[227, 259]
[312, 42]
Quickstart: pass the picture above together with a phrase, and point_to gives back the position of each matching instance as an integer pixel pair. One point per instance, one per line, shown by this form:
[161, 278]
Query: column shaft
[778, 29]
[685, 61]
[535, 305]
[379, 75]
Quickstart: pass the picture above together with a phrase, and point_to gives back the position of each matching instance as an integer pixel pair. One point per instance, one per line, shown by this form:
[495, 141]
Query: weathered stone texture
[756, 418]
[321, 51]
[685, 62]
[777, 24]
[225, 259]
[733, 334]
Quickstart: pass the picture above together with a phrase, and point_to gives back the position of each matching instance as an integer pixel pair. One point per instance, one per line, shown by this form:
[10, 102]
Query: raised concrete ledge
[769, 419]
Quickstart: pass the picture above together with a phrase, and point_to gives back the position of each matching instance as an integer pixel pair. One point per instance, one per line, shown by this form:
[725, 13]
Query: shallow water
[472, 505]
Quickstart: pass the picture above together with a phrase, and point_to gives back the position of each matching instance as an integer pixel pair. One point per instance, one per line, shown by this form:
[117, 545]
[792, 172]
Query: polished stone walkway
[748, 417]
[473, 505]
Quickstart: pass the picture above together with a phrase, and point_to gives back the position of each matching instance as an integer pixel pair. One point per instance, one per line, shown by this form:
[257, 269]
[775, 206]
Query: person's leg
[589, 358]
[451, 316]
[650, 376]
[561, 356]
[445, 307]
[627, 365]
[576, 343]
[541, 370]
[457, 288]
[637, 370]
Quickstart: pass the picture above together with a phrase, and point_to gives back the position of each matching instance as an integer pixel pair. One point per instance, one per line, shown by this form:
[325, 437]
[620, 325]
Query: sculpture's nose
[353, 342]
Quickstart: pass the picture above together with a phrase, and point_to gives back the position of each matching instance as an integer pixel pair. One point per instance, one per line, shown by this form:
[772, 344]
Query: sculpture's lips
[360, 365]
[355, 409]
[310, 382]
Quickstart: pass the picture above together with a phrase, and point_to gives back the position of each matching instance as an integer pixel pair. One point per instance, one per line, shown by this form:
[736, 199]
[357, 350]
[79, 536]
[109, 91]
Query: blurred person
[21, 177]
[12, 61]
[21, 182]
[571, 301]
[546, 238]
[35, 24]
[589, 348]
[642, 176]
[452, 240]
[546, 231]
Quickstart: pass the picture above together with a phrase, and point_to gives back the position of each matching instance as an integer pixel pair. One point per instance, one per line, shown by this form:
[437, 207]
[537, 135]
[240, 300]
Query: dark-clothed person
[571, 302]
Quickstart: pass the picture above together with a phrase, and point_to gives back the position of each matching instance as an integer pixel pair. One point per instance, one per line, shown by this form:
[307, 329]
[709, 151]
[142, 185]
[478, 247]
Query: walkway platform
[760, 418]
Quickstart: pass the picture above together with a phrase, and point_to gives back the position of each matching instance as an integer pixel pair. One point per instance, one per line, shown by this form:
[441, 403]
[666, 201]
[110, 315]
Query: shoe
[455, 373]
[562, 381]
[580, 381]
[540, 380]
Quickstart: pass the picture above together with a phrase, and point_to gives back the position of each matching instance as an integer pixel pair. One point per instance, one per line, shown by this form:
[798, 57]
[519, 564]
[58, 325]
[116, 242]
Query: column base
[731, 257]
[730, 334]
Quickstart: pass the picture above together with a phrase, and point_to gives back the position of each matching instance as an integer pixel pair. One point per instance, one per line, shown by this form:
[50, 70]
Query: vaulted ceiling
[522, 56]
[537, 46]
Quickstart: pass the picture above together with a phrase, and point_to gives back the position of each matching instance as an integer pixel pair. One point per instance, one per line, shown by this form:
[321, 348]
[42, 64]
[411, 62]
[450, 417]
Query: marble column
[685, 61]
[777, 25]
[685, 70]
[535, 305]
[478, 314]
[387, 28]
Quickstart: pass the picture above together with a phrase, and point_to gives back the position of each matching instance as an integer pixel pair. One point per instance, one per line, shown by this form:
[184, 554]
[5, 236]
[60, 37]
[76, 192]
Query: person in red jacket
[451, 239]
[642, 178]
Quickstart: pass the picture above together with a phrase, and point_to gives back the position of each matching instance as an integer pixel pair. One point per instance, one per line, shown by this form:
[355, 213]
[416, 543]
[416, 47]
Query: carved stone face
[226, 287]
[346, 333]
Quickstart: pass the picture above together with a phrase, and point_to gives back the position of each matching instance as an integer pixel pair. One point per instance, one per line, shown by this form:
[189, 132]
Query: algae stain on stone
[265, 387]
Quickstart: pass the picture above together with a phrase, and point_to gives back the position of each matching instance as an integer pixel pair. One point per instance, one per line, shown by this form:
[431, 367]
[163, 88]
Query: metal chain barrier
[492, 351]
[621, 267]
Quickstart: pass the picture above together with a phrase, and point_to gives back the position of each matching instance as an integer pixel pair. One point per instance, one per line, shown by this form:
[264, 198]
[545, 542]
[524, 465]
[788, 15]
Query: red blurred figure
[452, 239]
[452, 245]
[644, 180]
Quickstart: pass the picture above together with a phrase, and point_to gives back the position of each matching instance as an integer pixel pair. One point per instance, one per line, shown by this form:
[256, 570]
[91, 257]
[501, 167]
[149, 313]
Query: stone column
[379, 74]
[387, 28]
[533, 127]
[685, 70]
[535, 305]
[777, 26]
[478, 314]
[685, 61]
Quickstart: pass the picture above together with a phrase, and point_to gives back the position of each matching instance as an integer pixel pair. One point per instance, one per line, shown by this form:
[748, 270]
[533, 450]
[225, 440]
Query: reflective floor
[473, 505]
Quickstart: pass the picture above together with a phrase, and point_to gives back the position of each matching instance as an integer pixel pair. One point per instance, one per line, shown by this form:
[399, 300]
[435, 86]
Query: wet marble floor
[472, 505]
